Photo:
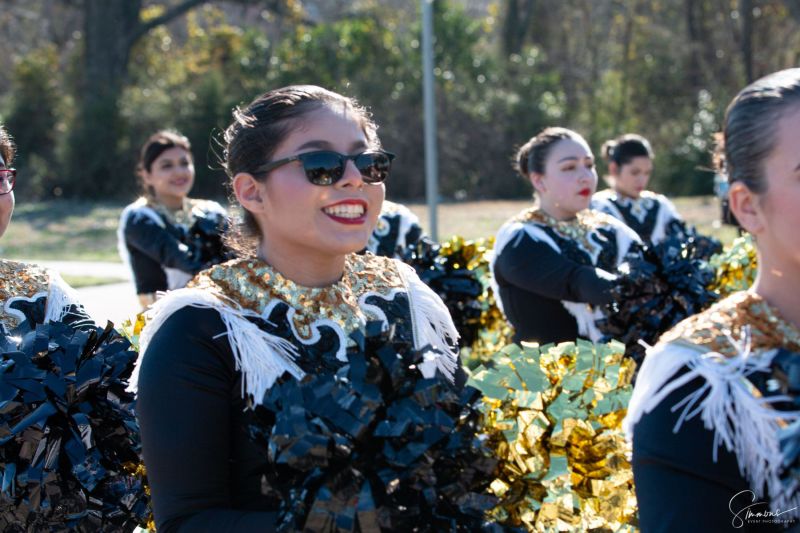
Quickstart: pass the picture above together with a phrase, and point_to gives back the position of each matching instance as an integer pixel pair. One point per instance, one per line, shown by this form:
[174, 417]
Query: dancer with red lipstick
[630, 164]
[308, 169]
[551, 265]
[165, 237]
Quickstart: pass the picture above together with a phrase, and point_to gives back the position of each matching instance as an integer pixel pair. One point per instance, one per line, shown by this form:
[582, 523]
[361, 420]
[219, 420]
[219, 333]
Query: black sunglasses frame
[12, 179]
[331, 175]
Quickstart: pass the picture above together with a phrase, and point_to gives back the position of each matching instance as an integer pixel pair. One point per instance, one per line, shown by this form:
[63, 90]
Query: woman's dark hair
[626, 147]
[157, 144]
[258, 130]
[532, 156]
[751, 122]
[7, 147]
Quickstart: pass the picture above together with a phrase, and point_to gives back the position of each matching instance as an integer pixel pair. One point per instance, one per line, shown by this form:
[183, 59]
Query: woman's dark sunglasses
[326, 167]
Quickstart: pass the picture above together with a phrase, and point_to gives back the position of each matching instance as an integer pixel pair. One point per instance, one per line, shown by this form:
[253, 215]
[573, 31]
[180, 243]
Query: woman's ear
[537, 180]
[144, 176]
[746, 207]
[248, 191]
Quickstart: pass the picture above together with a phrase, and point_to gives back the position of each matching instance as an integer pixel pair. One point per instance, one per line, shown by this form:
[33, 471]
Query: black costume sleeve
[536, 267]
[157, 243]
[185, 410]
[679, 487]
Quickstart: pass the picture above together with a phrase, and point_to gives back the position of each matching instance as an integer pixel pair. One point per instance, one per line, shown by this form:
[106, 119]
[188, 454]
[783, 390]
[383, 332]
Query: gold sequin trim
[577, 229]
[253, 284]
[20, 279]
[186, 215]
[716, 326]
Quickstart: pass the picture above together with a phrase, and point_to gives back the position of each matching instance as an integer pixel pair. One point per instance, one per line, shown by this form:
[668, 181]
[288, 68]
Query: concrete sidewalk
[101, 269]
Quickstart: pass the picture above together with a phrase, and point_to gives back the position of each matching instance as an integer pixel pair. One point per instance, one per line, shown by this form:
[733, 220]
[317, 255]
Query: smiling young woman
[166, 237]
[308, 169]
[552, 263]
[713, 417]
[630, 164]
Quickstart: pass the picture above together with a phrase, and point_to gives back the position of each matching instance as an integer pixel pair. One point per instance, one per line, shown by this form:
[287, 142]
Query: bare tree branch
[168, 15]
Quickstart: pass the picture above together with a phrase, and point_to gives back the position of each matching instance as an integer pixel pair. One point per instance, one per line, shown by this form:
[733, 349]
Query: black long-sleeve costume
[652, 216]
[547, 272]
[165, 251]
[194, 386]
[709, 450]
[192, 393]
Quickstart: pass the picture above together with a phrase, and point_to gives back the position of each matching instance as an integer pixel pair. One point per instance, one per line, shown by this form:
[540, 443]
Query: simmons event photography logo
[746, 510]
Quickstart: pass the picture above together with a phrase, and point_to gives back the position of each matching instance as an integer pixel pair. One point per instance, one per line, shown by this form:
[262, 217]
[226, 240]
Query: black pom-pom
[205, 238]
[375, 446]
[445, 270]
[69, 441]
[655, 291]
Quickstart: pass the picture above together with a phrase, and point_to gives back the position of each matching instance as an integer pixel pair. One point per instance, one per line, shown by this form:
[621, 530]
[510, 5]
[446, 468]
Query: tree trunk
[516, 24]
[694, 31]
[746, 17]
[93, 144]
[111, 29]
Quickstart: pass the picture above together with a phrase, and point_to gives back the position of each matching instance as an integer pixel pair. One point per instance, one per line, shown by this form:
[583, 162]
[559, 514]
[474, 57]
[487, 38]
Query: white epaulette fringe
[742, 421]
[260, 356]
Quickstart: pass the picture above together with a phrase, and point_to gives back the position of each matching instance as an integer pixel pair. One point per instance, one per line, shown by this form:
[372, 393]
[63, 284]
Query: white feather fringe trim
[744, 423]
[260, 357]
[433, 326]
[60, 297]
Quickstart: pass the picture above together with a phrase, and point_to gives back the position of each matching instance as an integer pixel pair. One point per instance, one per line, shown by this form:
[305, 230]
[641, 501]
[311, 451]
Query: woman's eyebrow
[315, 144]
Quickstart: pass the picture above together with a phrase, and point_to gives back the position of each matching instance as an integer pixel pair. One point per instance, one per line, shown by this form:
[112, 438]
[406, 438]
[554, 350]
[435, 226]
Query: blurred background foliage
[84, 82]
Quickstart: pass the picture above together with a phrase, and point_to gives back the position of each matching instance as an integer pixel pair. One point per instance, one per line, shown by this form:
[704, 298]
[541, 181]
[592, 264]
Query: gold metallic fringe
[553, 416]
[494, 331]
[736, 266]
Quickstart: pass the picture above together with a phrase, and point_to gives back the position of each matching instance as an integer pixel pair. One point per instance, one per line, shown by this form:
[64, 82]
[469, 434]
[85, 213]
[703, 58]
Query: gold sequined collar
[254, 284]
[183, 216]
[724, 322]
[20, 280]
[577, 229]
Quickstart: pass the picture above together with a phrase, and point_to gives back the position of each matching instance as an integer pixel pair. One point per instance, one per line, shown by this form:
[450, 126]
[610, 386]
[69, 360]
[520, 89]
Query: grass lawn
[86, 231]
[63, 230]
[473, 220]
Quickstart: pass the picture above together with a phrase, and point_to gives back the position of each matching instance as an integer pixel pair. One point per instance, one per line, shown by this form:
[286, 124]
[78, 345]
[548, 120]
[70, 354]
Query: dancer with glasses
[714, 413]
[630, 164]
[308, 169]
[69, 430]
[165, 237]
[29, 294]
[552, 263]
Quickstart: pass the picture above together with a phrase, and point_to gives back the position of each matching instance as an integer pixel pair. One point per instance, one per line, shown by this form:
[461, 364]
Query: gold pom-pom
[553, 415]
[494, 331]
[736, 266]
